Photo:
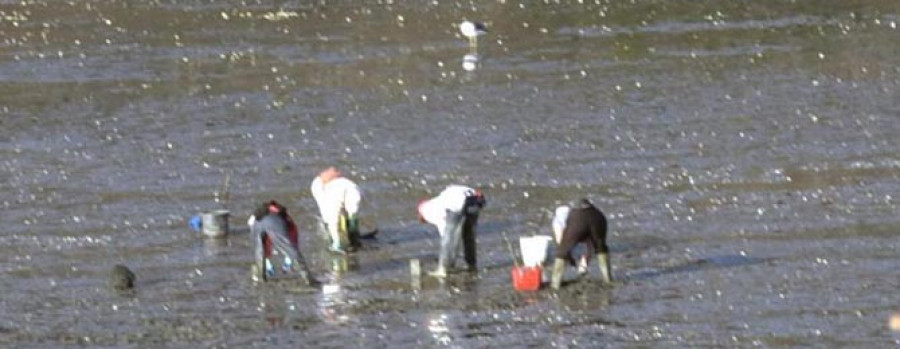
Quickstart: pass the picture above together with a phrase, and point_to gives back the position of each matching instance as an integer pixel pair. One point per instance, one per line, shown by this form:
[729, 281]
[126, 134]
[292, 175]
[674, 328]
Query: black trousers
[468, 238]
[587, 225]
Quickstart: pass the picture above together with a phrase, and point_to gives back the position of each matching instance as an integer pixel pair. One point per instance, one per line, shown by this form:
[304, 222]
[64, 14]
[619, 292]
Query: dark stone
[121, 278]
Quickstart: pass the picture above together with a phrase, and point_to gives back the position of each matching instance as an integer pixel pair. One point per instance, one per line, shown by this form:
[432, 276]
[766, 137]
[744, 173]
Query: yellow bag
[344, 228]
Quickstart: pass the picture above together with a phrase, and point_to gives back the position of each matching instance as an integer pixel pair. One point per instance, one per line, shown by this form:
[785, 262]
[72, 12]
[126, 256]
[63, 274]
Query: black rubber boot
[309, 279]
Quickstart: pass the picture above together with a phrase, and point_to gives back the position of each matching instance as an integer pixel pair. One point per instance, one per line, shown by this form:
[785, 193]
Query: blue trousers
[275, 229]
[460, 226]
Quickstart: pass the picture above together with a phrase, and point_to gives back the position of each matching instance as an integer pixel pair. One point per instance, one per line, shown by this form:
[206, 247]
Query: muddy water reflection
[333, 298]
[745, 154]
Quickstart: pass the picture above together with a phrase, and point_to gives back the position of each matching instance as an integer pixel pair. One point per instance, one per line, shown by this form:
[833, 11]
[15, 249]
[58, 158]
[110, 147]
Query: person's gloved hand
[582, 266]
[251, 221]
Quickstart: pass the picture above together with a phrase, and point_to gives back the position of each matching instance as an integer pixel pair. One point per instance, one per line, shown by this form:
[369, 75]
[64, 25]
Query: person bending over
[584, 224]
[455, 213]
[338, 199]
[271, 227]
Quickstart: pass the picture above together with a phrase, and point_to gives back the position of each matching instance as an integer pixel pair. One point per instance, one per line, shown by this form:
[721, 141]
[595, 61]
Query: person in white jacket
[336, 196]
[455, 213]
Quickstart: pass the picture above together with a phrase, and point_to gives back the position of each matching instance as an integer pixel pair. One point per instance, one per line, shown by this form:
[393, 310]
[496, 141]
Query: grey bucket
[215, 223]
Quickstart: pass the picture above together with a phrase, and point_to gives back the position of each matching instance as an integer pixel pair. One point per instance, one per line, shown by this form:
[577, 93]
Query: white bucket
[215, 223]
[534, 249]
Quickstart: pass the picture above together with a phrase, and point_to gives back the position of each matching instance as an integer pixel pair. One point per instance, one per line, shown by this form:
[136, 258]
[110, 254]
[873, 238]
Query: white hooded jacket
[559, 222]
[331, 196]
[452, 198]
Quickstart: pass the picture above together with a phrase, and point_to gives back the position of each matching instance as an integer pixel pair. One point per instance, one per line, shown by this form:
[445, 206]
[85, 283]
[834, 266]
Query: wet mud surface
[745, 153]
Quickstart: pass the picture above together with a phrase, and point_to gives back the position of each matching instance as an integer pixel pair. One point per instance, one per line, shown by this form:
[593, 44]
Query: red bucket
[526, 278]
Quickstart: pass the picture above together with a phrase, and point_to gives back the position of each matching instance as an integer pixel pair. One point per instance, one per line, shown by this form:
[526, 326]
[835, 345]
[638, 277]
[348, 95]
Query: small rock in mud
[121, 278]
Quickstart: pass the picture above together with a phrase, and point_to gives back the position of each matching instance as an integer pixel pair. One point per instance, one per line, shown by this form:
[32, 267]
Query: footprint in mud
[726, 261]
[636, 244]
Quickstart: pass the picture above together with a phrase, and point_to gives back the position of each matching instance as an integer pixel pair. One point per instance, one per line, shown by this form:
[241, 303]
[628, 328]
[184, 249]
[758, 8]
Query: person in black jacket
[586, 224]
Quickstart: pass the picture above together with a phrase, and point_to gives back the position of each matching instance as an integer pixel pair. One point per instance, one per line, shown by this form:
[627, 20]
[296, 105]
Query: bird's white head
[471, 29]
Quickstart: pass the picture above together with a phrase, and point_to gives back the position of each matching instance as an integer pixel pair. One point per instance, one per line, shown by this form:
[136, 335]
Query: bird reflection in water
[470, 62]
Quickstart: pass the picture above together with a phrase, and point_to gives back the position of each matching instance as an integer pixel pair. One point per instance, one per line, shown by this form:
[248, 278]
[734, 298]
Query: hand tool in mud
[512, 252]
[225, 192]
[415, 271]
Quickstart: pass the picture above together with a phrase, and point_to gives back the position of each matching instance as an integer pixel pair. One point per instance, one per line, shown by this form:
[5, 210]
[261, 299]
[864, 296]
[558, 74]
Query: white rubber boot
[605, 268]
[559, 267]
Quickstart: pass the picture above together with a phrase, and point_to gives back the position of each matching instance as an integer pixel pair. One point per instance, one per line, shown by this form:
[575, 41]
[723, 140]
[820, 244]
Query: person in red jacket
[271, 228]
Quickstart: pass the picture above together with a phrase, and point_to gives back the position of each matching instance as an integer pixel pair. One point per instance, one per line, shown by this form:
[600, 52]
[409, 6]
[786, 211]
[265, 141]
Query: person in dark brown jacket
[586, 224]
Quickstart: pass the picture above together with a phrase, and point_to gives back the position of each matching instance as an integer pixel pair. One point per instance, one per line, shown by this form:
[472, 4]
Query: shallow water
[745, 154]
